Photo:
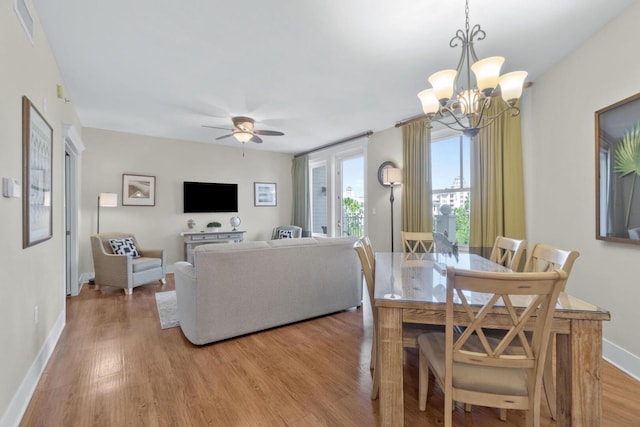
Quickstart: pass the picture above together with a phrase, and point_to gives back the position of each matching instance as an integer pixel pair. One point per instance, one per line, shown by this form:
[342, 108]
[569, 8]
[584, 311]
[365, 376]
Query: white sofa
[238, 288]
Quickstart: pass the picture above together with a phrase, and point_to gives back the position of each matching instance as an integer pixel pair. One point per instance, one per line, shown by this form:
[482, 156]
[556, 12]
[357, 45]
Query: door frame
[74, 147]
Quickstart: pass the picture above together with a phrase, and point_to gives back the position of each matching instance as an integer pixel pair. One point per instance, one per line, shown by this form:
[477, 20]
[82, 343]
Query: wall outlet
[35, 314]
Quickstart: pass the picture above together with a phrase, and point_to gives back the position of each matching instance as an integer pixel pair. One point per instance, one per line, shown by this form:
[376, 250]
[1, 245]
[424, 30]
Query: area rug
[167, 309]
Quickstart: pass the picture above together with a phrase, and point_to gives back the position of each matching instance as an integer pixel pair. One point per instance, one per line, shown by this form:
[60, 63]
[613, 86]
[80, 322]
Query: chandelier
[452, 100]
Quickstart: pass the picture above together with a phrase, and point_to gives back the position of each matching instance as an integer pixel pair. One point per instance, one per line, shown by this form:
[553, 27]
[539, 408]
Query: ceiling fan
[244, 130]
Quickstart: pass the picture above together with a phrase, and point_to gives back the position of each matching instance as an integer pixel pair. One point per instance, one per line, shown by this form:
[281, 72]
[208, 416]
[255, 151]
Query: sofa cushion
[305, 241]
[124, 247]
[144, 263]
[230, 247]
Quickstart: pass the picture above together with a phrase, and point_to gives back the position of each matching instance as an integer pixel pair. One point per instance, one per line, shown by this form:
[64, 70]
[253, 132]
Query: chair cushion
[124, 247]
[285, 234]
[486, 379]
[144, 263]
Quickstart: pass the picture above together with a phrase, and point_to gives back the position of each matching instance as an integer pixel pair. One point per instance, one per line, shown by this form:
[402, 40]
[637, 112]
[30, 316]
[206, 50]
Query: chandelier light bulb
[443, 82]
[469, 101]
[487, 72]
[511, 85]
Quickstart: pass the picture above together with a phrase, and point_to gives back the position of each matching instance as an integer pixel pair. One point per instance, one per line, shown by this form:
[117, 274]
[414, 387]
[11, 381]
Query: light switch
[11, 188]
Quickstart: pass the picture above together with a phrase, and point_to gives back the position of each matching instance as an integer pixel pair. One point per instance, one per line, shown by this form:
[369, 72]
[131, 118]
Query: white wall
[33, 276]
[383, 146]
[559, 161]
[110, 154]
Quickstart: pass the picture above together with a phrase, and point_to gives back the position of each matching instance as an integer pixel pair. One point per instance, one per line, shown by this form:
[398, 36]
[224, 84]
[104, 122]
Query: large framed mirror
[617, 171]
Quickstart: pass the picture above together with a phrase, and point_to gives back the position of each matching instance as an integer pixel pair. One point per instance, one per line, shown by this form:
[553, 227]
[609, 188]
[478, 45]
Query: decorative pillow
[285, 234]
[124, 247]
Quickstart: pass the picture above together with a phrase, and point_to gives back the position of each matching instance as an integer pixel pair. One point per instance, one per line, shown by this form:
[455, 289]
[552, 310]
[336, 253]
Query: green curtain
[416, 177]
[497, 193]
[301, 201]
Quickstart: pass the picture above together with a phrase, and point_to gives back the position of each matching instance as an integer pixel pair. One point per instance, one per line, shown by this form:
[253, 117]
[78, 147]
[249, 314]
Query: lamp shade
[243, 136]
[108, 200]
[511, 85]
[392, 176]
[430, 104]
[487, 73]
[442, 83]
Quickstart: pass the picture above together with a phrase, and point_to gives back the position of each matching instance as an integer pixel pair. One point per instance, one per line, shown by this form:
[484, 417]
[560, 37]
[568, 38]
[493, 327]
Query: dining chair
[543, 257]
[410, 331]
[508, 252]
[369, 277]
[480, 369]
[417, 242]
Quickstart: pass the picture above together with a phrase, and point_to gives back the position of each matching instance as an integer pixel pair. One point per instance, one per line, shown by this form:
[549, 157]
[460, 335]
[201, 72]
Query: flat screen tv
[210, 197]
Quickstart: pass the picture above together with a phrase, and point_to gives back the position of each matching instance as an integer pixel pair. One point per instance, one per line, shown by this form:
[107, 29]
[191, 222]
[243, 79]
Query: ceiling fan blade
[224, 136]
[216, 127]
[256, 139]
[268, 132]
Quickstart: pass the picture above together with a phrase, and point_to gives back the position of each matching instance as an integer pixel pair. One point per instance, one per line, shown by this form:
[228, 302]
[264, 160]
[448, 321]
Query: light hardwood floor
[114, 366]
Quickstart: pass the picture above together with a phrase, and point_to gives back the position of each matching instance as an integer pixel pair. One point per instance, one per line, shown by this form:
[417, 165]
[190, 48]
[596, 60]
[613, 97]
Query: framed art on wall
[37, 165]
[264, 194]
[138, 190]
[617, 169]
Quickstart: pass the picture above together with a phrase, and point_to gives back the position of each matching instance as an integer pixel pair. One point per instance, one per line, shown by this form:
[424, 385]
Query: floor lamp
[106, 200]
[392, 177]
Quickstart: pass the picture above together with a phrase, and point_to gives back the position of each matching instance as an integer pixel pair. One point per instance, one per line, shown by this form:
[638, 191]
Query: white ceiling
[319, 70]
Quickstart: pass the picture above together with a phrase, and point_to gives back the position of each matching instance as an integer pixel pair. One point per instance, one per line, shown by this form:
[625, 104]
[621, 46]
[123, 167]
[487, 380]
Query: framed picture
[138, 190]
[617, 170]
[264, 194]
[37, 165]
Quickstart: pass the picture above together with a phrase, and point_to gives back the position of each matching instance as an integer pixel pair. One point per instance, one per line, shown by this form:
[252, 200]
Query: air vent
[25, 17]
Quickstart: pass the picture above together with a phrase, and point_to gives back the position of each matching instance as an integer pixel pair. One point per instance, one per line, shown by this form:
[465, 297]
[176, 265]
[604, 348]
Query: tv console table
[195, 238]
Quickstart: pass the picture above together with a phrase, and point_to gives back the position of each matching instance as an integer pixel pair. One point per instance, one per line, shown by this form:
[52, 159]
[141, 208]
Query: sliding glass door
[336, 185]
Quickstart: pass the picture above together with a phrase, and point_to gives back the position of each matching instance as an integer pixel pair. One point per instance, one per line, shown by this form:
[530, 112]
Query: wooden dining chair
[368, 271]
[480, 369]
[546, 258]
[417, 242]
[508, 252]
[410, 331]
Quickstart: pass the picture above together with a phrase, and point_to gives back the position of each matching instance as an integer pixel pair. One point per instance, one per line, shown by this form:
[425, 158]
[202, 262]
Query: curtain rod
[333, 144]
[410, 120]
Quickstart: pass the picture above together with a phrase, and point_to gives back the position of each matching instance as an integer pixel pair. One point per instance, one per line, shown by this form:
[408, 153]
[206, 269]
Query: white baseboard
[21, 398]
[621, 358]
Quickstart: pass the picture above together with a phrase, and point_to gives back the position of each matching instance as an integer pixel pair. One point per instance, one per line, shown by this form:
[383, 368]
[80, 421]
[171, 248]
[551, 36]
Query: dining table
[411, 288]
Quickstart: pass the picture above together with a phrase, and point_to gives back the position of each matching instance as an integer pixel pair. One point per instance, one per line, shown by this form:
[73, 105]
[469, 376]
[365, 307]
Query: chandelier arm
[452, 114]
[477, 34]
[515, 112]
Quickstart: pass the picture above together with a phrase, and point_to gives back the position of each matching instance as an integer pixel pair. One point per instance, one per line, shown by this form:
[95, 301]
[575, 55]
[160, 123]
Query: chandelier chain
[466, 14]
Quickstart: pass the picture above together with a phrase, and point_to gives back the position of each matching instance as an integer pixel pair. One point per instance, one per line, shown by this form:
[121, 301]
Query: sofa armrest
[113, 270]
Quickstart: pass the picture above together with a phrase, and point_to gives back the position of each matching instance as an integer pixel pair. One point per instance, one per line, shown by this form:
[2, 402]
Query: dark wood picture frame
[138, 190]
[37, 176]
[617, 129]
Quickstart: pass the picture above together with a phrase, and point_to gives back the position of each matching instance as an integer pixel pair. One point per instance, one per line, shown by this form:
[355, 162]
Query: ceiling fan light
[487, 72]
[511, 85]
[442, 83]
[243, 136]
[430, 104]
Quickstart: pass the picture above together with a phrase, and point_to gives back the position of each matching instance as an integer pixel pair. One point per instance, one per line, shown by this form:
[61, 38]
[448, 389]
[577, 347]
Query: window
[451, 183]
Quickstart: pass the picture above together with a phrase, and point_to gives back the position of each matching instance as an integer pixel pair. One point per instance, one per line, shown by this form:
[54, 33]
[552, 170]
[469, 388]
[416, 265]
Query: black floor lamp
[392, 177]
